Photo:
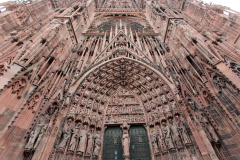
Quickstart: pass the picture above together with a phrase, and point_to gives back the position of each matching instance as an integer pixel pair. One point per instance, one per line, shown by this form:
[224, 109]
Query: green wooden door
[139, 147]
[112, 145]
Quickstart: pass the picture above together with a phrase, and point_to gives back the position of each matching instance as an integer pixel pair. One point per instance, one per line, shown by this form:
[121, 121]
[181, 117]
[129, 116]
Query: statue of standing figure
[208, 128]
[154, 142]
[167, 132]
[74, 137]
[161, 138]
[97, 144]
[192, 104]
[66, 135]
[34, 134]
[176, 136]
[83, 140]
[90, 142]
[183, 131]
[213, 133]
[44, 128]
[126, 143]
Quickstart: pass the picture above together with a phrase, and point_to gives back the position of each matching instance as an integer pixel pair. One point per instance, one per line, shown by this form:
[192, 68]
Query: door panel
[139, 147]
[112, 148]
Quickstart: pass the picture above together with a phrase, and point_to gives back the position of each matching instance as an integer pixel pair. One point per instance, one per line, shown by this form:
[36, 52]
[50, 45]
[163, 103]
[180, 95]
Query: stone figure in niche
[173, 105]
[154, 142]
[126, 143]
[164, 99]
[167, 134]
[192, 104]
[34, 134]
[77, 74]
[155, 115]
[99, 120]
[51, 109]
[43, 130]
[148, 107]
[97, 144]
[77, 98]
[73, 107]
[166, 108]
[90, 142]
[212, 133]
[203, 122]
[83, 140]
[176, 136]
[74, 137]
[183, 131]
[161, 138]
[124, 108]
[149, 116]
[93, 119]
[82, 111]
[208, 128]
[66, 135]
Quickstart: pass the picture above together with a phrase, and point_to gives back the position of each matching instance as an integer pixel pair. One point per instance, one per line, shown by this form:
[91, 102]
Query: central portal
[113, 148]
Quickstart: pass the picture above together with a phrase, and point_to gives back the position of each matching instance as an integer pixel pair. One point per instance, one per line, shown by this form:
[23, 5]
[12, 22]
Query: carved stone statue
[83, 140]
[77, 74]
[208, 128]
[126, 143]
[93, 120]
[34, 134]
[176, 136]
[161, 141]
[192, 104]
[166, 108]
[167, 132]
[97, 144]
[43, 130]
[183, 131]
[66, 135]
[90, 142]
[125, 140]
[212, 133]
[74, 137]
[154, 142]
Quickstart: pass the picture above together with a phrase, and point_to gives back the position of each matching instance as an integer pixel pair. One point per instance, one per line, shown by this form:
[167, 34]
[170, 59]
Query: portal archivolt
[121, 91]
[94, 93]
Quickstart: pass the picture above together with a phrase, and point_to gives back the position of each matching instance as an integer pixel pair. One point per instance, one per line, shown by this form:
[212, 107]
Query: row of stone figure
[86, 140]
[170, 137]
[175, 134]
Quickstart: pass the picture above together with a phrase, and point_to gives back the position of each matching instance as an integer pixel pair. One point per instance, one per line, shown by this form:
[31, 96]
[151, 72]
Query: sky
[233, 4]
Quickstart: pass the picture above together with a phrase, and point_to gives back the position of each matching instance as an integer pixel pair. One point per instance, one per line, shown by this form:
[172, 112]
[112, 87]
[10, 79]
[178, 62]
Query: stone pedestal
[126, 157]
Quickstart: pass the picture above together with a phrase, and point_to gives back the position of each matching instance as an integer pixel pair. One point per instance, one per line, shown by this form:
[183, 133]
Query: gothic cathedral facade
[119, 80]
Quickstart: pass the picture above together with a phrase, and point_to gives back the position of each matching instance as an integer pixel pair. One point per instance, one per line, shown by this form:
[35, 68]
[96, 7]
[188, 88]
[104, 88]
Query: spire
[116, 29]
[104, 40]
[131, 34]
[138, 40]
[120, 24]
[125, 28]
[110, 37]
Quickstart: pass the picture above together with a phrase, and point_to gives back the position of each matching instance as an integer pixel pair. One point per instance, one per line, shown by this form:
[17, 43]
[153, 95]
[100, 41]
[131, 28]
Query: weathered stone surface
[70, 69]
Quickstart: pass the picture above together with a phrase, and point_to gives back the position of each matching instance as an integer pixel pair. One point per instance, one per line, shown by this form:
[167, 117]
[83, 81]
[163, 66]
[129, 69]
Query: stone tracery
[98, 73]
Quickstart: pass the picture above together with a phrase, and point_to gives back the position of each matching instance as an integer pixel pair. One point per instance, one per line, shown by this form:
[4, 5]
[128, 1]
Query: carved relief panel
[124, 107]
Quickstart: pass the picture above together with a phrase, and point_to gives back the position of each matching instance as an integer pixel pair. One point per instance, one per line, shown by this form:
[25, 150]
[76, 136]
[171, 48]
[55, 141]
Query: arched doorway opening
[121, 90]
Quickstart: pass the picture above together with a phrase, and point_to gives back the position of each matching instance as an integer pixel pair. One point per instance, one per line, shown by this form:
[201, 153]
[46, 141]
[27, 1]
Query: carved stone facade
[153, 79]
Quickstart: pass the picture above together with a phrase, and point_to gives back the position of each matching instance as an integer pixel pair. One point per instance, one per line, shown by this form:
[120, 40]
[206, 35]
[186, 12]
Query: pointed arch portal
[123, 90]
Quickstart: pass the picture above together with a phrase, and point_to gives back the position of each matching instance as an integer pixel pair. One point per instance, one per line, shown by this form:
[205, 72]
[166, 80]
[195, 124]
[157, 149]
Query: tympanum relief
[124, 107]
